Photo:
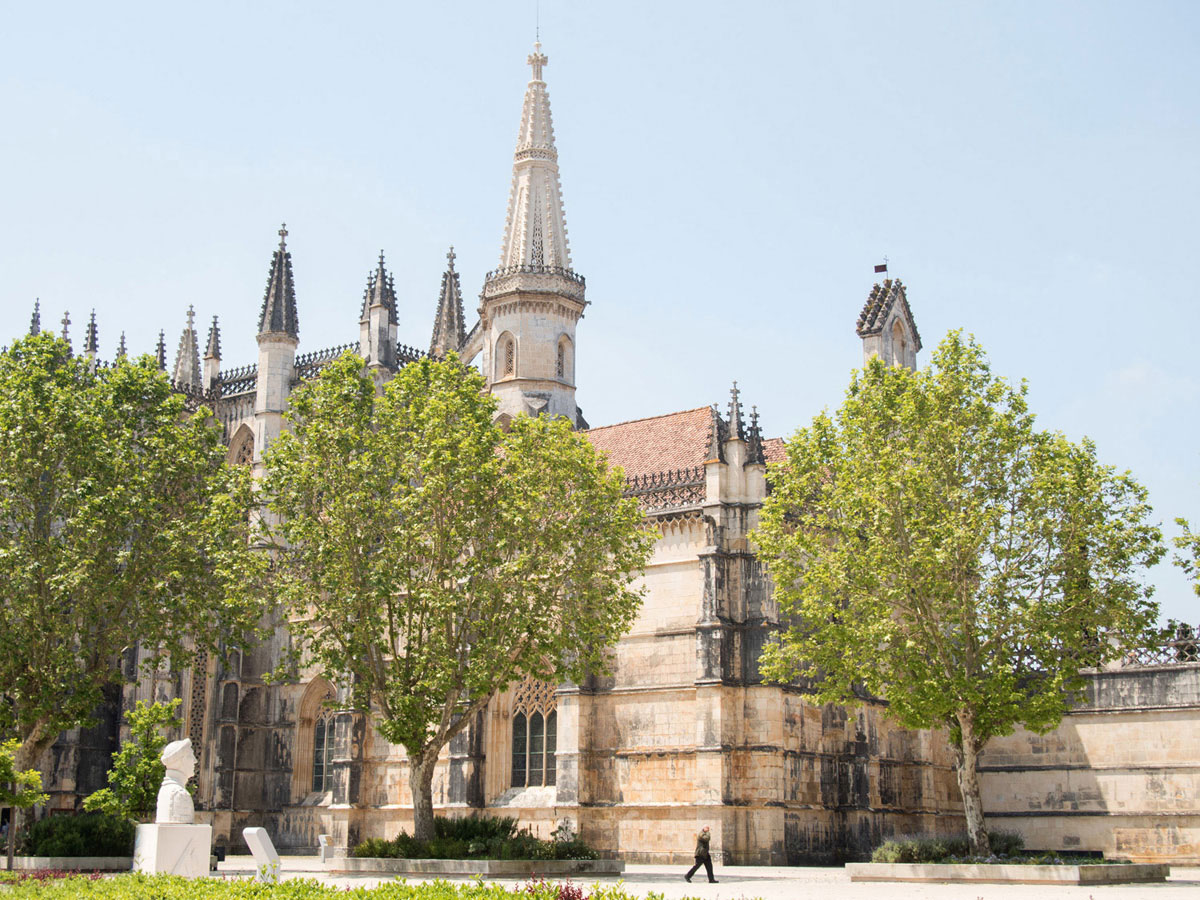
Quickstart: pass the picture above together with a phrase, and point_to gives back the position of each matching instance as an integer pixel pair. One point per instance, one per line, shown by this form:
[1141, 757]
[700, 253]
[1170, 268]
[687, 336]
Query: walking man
[703, 857]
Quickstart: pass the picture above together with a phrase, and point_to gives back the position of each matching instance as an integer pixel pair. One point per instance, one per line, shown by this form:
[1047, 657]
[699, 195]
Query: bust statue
[174, 802]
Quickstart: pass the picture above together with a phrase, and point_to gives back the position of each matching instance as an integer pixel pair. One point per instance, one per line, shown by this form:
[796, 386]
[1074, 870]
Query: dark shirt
[702, 840]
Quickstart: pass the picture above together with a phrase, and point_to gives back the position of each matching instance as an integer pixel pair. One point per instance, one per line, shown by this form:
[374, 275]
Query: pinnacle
[91, 343]
[278, 315]
[35, 321]
[213, 351]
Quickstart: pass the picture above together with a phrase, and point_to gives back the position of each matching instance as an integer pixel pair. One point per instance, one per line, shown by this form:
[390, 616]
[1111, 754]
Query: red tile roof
[774, 450]
[658, 444]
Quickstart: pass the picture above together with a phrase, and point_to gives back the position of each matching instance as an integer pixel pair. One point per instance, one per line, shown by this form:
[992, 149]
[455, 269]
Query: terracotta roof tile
[774, 450]
[658, 444]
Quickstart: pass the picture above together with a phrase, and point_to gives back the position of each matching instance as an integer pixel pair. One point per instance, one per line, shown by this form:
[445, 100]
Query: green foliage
[430, 558]
[1004, 844]
[90, 834]
[929, 545]
[169, 887]
[122, 524]
[1188, 559]
[476, 837]
[19, 789]
[137, 771]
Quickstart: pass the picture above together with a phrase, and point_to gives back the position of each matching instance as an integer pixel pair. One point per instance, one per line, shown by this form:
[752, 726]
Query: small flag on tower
[881, 268]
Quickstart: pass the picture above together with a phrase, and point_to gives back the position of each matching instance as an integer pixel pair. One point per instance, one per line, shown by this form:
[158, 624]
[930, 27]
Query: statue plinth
[173, 849]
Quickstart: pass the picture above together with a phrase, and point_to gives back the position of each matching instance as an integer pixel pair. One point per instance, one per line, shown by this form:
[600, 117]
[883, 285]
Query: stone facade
[684, 732]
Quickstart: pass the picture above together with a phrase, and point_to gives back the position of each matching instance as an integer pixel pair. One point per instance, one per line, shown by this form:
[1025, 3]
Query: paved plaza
[784, 883]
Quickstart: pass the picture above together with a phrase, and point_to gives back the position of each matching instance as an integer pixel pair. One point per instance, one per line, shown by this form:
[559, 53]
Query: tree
[429, 558]
[935, 550]
[122, 525]
[137, 770]
[18, 790]
[1188, 558]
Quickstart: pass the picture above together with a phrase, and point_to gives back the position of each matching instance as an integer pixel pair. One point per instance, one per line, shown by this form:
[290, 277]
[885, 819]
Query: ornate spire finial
[536, 60]
[160, 354]
[283, 233]
[278, 314]
[191, 317]
[213, 351]
[66, 324]
[91, 343]
[754, 439]
[121, 351]
[450, 257]
[716, 436]
[35, 321]
[735, 414]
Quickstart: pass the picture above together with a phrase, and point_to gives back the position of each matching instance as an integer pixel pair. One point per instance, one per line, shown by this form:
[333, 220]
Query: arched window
[899, 344]
[534, 734]
[241, 447]
[565, 365]
[506, 356]
[510, 357]
[519, 745]
[560, 367]
[322, 757]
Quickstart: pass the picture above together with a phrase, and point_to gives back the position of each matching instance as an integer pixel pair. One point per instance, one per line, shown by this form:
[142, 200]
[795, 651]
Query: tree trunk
[420, 780]
[966, 758]
[12, 834]
[36, 742]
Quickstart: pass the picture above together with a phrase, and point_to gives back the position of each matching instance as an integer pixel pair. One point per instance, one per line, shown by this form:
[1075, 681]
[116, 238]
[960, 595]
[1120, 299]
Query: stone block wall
[1120, 775]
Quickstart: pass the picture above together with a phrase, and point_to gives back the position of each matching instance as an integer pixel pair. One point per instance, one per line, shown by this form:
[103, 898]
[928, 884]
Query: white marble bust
[174, 802]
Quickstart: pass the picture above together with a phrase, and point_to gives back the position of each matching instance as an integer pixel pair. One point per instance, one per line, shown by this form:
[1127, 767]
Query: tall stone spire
[212, 357]
[278, 314]
[449, 326]
[187, 357]
[35, 321]
[122, 351]
[532, 302]
[91, 340]
[536, 231]
[378, 325]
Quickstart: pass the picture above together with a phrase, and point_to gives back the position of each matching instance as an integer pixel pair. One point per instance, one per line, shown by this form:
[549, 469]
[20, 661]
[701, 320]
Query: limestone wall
[1120, 774]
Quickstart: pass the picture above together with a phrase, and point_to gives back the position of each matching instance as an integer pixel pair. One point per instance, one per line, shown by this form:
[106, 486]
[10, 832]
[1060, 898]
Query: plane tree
[932, 547]
[429, 557]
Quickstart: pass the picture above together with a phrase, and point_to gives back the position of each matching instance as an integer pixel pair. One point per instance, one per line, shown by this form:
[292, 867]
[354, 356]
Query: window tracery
[322, 757]
[534, 734]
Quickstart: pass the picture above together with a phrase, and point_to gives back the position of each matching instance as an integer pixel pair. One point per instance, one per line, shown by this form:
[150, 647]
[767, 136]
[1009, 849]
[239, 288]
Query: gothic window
[241, 448]
[322, 752]
[534, 734]
[560, 366]
[899, 345]
[564, 364]
[506, 362]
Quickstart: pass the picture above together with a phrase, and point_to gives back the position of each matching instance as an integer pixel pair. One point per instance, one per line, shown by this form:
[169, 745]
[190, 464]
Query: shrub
[90, 834]
[477, 837]
[942, 849]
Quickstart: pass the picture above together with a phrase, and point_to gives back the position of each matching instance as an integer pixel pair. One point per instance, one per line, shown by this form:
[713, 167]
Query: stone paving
[787, 883]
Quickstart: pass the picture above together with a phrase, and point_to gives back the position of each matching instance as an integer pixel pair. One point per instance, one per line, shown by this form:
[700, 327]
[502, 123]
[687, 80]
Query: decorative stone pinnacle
[191, 317]
[283, 233]
[35, 321]
[381, 259]
[121, 351]
[735, 414]
[450, 257]
[536, 60]
[66, 324]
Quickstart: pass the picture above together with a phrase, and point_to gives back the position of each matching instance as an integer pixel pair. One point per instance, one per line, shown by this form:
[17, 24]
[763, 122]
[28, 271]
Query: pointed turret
[278, 314]
[91, 341]
[66, 324]
[736, 429]
[378, 325]
[533, 300]
[755, 452]
[887, 327]
[35, 321]
[449, 325]
[212, 356]
[122, 352]
[717, 434]
[187, 356]
[160, 352]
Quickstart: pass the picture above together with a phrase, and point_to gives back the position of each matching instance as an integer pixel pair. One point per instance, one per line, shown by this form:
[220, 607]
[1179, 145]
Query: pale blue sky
[731, 174]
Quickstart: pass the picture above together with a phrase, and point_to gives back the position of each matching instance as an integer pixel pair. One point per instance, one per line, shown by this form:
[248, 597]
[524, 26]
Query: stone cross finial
[537, 59]
[283, 233]
[450, 256]
[66, 322]
[381, 259]
[191, 317]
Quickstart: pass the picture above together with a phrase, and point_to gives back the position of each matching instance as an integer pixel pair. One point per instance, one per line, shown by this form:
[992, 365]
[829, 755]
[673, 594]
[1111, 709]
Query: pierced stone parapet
[242, 380]
[1183, 647]
[309, 364]
[535, 279]
[667, 490]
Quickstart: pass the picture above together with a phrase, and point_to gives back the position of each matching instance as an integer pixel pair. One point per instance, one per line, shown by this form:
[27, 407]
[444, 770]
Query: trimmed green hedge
[936, 849]
[89, 834]
[474, 837]
[170, 887]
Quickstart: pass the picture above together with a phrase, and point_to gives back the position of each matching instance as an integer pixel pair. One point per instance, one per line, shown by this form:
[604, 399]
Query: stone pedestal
[173, 849]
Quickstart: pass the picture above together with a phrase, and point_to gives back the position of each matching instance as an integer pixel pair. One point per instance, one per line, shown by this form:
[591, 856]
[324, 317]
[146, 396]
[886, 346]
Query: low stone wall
[556, 868]
[1120, 774]
[74, 863]
[989, 874]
